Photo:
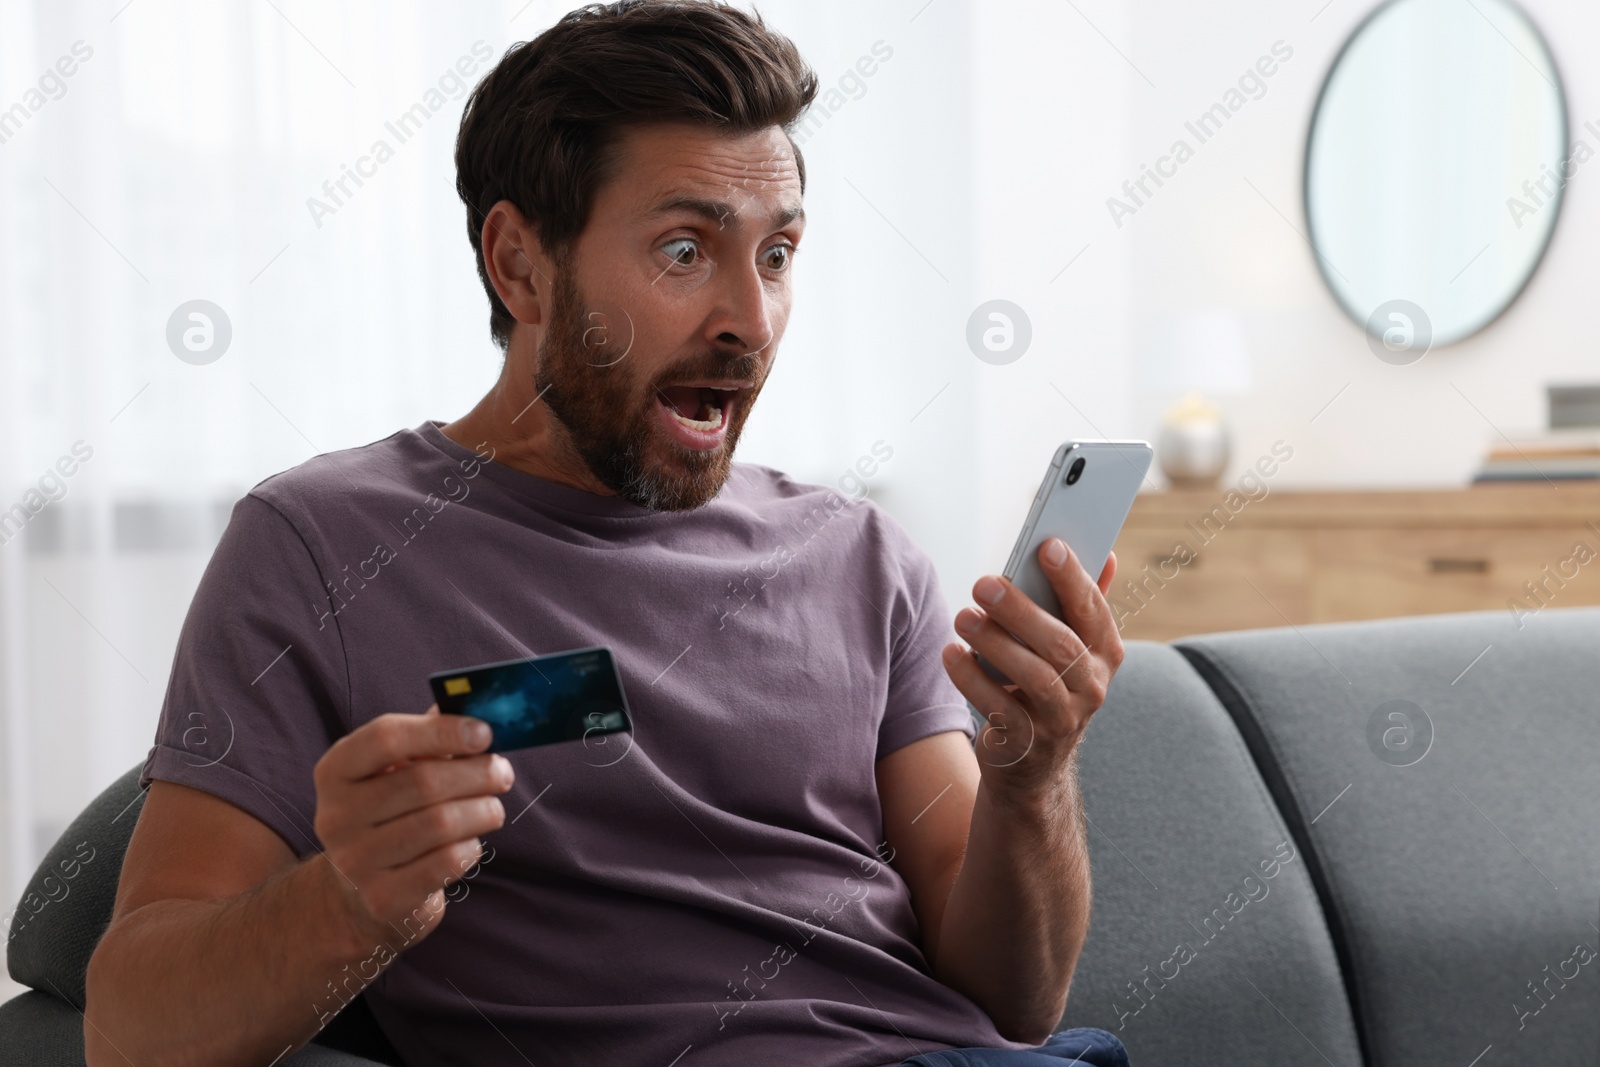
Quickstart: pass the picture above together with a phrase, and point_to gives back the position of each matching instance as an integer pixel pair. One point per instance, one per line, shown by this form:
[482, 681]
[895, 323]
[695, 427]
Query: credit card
[568, 696]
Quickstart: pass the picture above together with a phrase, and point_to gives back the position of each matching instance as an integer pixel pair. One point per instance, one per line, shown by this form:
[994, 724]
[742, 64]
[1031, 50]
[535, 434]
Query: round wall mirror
[1435, 165]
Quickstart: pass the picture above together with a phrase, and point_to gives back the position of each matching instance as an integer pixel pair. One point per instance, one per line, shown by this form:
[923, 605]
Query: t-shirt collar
[539, 490]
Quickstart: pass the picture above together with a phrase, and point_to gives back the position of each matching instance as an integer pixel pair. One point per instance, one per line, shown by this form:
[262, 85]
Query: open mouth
[700, 408]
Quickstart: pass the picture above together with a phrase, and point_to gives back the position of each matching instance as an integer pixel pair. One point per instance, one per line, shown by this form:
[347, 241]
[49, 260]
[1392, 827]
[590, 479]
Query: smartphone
[1084, 500]
[567, 696]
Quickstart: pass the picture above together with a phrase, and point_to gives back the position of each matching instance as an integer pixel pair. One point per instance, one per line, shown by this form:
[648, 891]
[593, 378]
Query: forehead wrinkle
[719, 211]
[723, 168]
[702, 174]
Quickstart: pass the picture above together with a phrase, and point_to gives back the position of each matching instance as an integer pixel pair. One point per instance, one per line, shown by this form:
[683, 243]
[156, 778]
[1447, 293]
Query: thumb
[1108, 574]
[433, 709]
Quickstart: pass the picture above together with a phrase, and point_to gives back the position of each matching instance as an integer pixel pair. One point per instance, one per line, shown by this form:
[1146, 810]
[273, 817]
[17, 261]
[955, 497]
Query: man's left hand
[1060, 669]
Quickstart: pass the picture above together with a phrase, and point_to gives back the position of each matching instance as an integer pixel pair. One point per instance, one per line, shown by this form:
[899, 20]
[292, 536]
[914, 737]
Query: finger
[433, 709]
[1031, 669]
[399, 841]
[429, 781]
[1083, 603]
[1048, 637]
[421, 879]
[394, 737]
[1003, 715]
[987, 695]
[424, 876]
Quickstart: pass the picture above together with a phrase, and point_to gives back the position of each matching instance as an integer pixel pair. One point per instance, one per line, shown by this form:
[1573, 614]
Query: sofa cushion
[1205, 944]
[1440, 774]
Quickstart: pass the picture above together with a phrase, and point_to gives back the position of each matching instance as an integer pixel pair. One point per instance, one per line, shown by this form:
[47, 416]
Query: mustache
[741, 365]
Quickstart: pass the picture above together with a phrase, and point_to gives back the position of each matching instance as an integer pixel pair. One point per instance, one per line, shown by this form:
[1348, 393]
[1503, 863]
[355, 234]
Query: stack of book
[1558, 454]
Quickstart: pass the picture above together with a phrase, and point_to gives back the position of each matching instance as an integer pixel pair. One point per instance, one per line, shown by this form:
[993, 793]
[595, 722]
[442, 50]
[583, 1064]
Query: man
[797, 855]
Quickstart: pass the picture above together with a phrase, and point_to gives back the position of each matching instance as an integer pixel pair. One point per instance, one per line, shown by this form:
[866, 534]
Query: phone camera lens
[1075, 471]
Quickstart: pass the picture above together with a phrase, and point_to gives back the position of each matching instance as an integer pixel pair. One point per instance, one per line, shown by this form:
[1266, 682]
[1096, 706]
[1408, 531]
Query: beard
[609, 417]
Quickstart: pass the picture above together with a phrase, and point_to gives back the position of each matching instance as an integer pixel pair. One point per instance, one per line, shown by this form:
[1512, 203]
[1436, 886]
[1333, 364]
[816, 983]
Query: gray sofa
[1373, 843]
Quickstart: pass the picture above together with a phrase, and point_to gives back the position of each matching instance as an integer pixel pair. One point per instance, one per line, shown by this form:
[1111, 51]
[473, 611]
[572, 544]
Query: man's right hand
[246, 935]
[401, 801]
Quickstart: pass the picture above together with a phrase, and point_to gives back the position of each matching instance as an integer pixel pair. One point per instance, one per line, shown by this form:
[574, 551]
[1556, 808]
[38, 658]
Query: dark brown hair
[541, 128]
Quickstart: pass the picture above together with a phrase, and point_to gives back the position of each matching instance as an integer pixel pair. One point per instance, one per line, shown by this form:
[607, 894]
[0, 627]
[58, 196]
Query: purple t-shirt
[709, 891]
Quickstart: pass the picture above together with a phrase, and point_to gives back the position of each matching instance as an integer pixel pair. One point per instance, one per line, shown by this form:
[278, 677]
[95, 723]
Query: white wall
[1050, 126]
[885, 270]
[1210, 240]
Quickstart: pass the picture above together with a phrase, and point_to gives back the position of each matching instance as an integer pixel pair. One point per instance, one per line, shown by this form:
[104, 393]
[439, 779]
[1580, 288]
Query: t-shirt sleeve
[922, 699]
[259, 685]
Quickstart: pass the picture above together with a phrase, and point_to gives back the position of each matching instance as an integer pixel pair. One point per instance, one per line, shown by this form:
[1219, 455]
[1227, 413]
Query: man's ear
[516, 263]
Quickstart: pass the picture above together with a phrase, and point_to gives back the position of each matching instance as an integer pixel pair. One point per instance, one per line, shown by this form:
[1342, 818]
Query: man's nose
[744, 316]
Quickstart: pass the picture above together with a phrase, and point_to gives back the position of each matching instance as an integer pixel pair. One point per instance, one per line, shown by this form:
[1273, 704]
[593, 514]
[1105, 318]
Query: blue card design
[568, 696]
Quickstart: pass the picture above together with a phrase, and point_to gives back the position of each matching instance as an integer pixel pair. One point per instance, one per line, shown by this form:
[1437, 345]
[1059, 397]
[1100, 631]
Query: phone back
[1087, 513]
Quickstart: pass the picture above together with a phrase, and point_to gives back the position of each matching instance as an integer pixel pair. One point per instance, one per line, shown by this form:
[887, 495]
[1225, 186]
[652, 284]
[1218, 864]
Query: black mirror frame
[1311, 133]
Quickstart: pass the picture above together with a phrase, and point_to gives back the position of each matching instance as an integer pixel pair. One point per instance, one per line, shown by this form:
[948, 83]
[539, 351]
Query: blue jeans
[1083, 1045]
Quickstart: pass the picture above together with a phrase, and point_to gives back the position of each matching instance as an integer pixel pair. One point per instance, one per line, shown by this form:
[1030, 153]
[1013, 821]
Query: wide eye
[778, 256]
[683, 251]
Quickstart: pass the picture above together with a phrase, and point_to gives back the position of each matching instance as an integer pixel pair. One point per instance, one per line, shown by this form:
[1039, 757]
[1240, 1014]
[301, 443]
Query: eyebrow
[719, 210]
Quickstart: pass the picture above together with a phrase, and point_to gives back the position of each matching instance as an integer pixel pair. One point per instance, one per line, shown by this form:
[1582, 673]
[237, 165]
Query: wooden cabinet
[1203, 560]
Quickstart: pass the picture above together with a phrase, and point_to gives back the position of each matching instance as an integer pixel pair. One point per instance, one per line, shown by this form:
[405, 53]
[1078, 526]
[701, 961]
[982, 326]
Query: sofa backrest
[67, 903]
[1207, 945]
[1442, 778]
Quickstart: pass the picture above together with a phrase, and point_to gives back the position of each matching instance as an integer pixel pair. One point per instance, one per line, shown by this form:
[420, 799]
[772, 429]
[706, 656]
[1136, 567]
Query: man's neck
[524, 434]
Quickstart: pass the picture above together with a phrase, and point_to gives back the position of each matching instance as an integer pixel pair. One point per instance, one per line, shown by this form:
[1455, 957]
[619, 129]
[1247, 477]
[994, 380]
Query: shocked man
[801, 853]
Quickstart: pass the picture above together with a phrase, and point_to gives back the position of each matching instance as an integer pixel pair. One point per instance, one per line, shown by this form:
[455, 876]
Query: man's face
[666, 316]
